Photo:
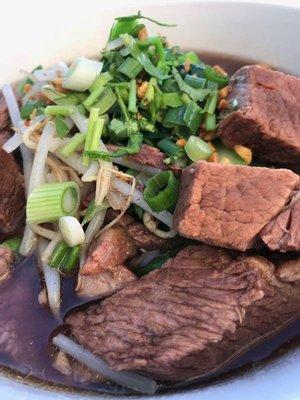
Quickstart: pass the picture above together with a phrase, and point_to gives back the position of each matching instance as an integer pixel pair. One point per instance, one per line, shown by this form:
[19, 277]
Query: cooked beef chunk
[141, 236]
[12, 197]
[148, 155]
[108, 281]
[228, 205]
[109, 251]
[283, 232]
[126, 219]
[146, 240]
[6, 258]
[268, 116]
[289, 271]
[187, 318]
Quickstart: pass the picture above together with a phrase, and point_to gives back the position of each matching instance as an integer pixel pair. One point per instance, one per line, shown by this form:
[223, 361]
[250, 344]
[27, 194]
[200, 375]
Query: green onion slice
[161, 191]
[158, 262]
[82, 73]
[12, 243]
[142, 57]
[59, 110]
[197, 149]
[49, 202]
[65, 258]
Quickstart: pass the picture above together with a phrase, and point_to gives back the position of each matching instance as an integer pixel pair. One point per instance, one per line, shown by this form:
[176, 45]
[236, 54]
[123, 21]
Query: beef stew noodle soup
[160, 247]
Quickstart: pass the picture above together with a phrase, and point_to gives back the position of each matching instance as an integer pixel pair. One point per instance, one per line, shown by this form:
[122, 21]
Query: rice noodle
[93, 227]
[52, 281]
[128, 379]
[137, 198]
[125, 162]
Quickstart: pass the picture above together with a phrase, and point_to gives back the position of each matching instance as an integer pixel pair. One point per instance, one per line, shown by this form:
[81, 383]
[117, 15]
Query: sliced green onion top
[197, 149]
[193, 116]
[212, 75]
[30, 107]
[64, 258]
[130, 67]
[49, 202]
[168, 147]
[161, 191]
[62, 128]
[13, 243]
[142, 57]
[59, 110]
[158, 262]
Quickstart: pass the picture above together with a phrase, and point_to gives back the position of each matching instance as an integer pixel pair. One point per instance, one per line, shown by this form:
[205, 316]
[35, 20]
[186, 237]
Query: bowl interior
[262, 32]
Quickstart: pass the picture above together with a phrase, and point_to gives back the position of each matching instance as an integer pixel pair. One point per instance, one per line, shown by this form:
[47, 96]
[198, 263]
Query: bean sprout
[151, 224]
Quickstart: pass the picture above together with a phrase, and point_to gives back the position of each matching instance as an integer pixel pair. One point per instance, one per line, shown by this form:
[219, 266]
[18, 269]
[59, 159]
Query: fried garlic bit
[244, 152]
[142, 89]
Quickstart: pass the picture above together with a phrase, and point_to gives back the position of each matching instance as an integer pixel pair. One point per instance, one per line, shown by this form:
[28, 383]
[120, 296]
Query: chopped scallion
[132, 97]
[195, 81]
[81, 74]
[62, 129]
[171, 100]
[100, 81]
[59, 110]
[49, 202]
[65, 258]
[13, 243]
[193, 116]
[211, 103]
[197, 149]
[107, 100]
[142, 57]
[168, 147]
[130, 67]
[93, 97]
[73, 144]
[158, 262]
[212, 75]
[161, 191]
[210, 122]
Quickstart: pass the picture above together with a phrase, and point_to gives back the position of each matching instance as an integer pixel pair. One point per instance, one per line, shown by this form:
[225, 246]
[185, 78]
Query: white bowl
[264, 32]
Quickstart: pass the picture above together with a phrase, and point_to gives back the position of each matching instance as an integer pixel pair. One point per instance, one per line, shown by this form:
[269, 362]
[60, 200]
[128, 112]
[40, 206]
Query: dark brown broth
[35, 325]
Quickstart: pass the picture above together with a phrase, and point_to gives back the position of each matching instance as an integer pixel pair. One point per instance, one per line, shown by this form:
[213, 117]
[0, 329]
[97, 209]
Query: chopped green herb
[62, 129]
[30, 107]
[130, 67]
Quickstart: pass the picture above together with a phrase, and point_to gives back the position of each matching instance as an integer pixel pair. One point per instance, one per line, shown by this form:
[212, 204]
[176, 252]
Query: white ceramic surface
[35, 32]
